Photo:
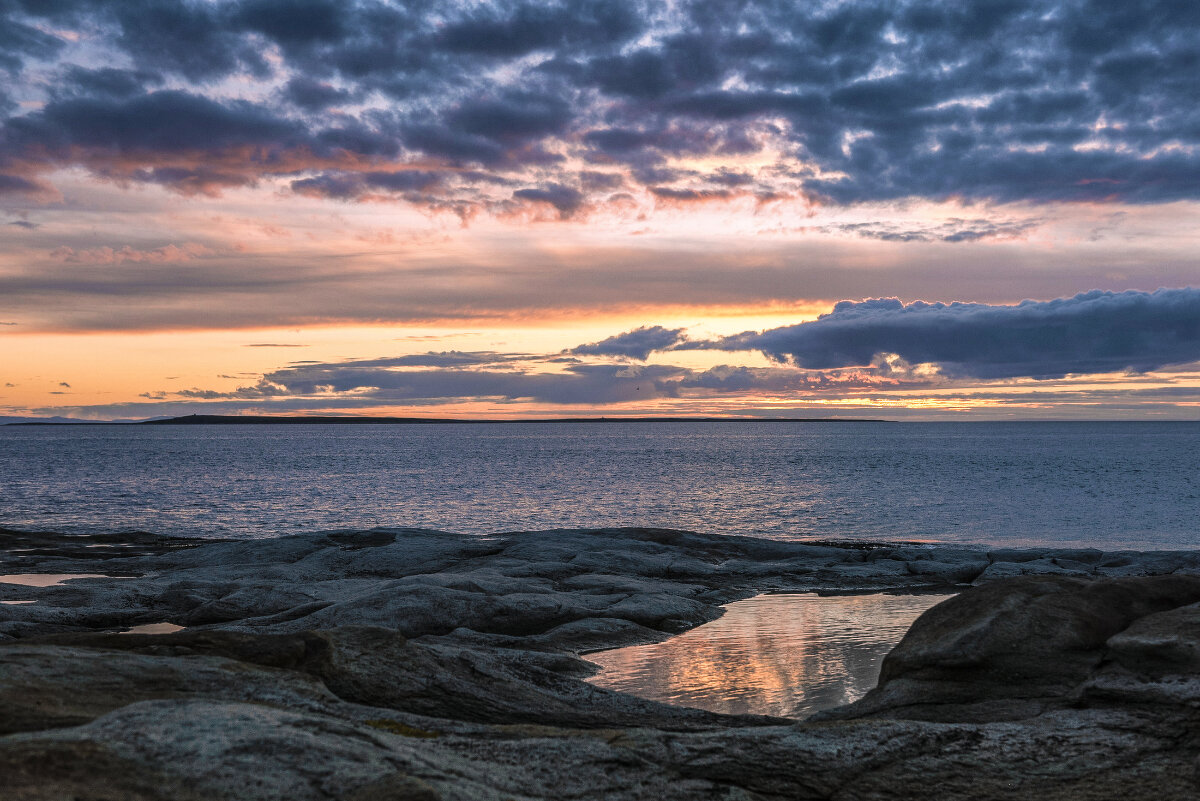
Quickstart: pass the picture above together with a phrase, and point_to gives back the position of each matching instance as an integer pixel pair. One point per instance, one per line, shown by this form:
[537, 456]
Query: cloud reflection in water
[787, 654]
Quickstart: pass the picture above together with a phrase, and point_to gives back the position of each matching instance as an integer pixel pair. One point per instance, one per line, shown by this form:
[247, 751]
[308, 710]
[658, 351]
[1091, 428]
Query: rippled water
[784, 655]
[1105, 484]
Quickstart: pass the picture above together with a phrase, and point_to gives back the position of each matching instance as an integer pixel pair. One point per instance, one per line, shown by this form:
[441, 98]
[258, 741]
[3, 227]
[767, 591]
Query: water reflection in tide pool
[787, 655]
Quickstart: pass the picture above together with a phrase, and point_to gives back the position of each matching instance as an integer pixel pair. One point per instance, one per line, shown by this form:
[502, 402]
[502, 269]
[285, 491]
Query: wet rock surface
[399, 664]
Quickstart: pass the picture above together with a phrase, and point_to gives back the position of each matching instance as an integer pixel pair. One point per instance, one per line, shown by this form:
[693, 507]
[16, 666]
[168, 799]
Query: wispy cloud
[107, 255]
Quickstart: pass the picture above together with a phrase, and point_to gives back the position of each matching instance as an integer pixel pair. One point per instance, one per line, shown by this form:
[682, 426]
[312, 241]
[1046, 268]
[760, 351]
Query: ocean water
[1108, 485]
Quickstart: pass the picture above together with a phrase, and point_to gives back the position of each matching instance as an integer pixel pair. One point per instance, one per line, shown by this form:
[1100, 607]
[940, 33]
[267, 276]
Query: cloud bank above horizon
[864, 356]
[1093, 332]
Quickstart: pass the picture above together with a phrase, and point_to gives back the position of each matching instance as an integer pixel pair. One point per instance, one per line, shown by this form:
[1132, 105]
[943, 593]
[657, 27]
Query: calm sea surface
[1110, 485]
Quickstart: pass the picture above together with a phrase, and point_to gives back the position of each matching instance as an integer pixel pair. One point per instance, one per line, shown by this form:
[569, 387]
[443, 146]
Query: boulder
[1013, 649]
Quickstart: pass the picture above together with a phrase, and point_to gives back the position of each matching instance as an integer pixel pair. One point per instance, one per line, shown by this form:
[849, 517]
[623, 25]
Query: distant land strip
[232, 419]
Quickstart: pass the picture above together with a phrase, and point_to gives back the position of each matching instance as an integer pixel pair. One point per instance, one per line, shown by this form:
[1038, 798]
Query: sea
[1109, 485]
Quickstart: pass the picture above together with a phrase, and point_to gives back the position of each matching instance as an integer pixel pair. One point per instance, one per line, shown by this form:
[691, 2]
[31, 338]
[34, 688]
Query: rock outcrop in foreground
[423, 665]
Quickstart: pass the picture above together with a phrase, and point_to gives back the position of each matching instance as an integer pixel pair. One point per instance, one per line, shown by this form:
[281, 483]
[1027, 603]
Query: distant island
[233, 419]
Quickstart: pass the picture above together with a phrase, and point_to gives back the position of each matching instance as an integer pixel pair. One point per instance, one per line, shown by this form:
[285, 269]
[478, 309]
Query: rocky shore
[409, 664]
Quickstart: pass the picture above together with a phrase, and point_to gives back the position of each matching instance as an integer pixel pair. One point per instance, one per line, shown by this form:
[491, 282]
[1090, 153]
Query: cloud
[1037, 101]
[1093, 332]
[954, 230]
[107, 82]
[273, 345]
[15, 184]
[19, 40]
[485, 285]
[563, 198]
[636, 344]
[168, 120]
[453, 376]
[451, 358]
[515, 29]
[342, 185]
[106, 255]
[383, 382]
[313, 95]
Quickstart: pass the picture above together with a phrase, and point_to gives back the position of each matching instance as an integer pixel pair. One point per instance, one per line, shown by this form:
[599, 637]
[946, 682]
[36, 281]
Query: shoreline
[358, 664]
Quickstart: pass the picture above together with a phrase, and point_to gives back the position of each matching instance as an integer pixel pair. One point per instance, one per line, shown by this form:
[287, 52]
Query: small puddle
[14, 603]
[47, 579]
[153, 628]
[787, 655]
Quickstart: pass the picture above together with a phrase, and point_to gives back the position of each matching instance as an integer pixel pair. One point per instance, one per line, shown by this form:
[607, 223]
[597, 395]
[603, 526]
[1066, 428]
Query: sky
[904, 209]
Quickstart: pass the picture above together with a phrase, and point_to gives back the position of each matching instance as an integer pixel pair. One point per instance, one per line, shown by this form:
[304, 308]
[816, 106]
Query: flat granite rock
[408, 664]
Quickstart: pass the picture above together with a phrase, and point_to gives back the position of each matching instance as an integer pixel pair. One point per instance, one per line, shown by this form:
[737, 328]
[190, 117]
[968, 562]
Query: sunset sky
[911, 210]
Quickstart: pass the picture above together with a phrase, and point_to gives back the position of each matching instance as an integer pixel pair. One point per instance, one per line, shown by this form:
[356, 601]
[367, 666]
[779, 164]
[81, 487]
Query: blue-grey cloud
[564, 198]
[19, 41]
[313, 95]
[105, 82]
[953, 230]
[380, 381]
[446, 358]
[1164, 403]
[347, 185]
[515, 29]
[453, 376]
[636, 344]
[159, 121]
[1018, 100]
[1093, 332]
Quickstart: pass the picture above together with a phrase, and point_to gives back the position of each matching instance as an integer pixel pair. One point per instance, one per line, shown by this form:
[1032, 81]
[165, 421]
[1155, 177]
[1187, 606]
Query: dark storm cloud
[1007, 100]
[636, 344]
[1093, 332]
